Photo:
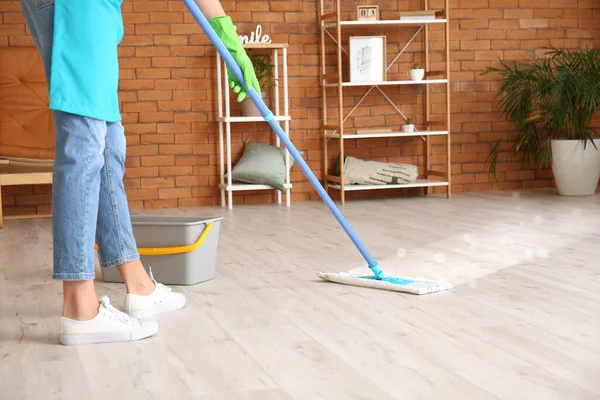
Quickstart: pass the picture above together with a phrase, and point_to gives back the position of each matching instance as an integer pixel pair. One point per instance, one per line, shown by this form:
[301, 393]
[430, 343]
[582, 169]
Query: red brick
[145, 150]
[165, 138]
[149, 95]
[166, 17]
[191, 160]
[518, 13]
[474, 3]
[152, 29]
[170, 40]
[504, 4]
[505, 44]
[474, 23]
[534, 3]
[161, 182]
[167, 203]
[168, 62]
[191, 181]
[149, 6]
[154, 161]
[171, 84]
[13, 18]
[285, 6]
[185, 29]
[174, 149]
[548, 13]
[174, 193]
[533, 23]
[176, 171]
[142, 194]
[491, 34]
[160, 116]
[136, 84]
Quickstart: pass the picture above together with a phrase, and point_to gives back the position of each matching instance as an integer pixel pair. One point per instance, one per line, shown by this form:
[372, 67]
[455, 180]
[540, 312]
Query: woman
[78, 43]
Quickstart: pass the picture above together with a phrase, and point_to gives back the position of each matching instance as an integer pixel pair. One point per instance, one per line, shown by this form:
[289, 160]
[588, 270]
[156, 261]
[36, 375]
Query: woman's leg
[117, 245]
[76, 187]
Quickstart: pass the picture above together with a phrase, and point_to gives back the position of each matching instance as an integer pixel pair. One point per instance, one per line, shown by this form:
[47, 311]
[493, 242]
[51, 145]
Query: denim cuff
[84, 276]
[120, 260]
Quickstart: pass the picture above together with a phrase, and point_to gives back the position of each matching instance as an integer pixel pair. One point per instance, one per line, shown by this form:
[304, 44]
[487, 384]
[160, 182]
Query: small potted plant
[409, 127]
[417, 72]
[263, 68]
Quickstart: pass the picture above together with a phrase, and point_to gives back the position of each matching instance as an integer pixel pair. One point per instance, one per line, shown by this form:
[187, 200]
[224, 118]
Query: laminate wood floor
[522, 321]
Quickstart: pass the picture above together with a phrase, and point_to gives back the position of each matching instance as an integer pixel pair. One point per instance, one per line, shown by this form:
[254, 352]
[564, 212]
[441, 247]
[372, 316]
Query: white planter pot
[576, 170]
[409, 128]
[249, 109]
[417, 74]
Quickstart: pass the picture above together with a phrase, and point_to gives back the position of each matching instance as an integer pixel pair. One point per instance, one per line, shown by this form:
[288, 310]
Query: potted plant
[409, 127]
[551, 101]
[263, 68]
[417, 72]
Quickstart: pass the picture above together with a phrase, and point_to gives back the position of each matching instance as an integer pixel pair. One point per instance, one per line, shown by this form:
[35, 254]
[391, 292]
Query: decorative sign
[367, 13]
[255, 37]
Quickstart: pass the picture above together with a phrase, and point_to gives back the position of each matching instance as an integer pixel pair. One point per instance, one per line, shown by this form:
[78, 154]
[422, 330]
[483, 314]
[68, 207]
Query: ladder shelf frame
[331, 27]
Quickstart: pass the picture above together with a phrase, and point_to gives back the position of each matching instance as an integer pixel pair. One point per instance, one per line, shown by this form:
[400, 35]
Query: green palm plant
[554, 96]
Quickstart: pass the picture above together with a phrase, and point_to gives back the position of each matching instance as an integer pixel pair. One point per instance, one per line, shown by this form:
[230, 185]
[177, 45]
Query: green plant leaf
[554, 96]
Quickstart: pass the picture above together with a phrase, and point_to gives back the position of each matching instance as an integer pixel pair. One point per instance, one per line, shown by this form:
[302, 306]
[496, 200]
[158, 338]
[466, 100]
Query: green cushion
[262, 164]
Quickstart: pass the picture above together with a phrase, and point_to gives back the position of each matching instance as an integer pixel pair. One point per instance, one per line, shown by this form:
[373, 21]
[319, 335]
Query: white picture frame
[367, 58]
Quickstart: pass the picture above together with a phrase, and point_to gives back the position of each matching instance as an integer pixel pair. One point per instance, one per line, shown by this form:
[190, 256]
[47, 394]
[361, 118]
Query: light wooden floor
[523, 321]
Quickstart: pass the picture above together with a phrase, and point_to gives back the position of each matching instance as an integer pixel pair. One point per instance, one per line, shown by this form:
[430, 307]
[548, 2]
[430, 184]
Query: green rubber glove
[224, 28]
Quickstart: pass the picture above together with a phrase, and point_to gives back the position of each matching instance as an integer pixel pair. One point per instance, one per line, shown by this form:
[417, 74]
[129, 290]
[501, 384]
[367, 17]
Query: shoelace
[121, 316]
[159, 286]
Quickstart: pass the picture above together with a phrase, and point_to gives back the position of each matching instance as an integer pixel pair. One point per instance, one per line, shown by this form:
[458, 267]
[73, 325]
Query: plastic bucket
[181, 250]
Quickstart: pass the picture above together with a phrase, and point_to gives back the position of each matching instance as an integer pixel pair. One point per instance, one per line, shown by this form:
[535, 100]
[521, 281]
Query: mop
[378, 280]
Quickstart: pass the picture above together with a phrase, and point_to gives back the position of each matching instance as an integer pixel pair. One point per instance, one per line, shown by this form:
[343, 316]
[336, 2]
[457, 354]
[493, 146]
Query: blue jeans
[89, 203]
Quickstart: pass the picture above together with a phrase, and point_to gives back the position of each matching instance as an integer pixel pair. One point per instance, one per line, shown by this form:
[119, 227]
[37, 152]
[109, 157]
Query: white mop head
[404, 284]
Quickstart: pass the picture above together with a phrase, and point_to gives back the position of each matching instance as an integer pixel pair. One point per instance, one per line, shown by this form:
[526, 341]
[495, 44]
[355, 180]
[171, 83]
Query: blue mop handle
[268, 116]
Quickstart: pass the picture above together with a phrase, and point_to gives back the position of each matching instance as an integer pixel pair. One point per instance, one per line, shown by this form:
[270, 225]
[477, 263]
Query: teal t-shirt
[84, 77]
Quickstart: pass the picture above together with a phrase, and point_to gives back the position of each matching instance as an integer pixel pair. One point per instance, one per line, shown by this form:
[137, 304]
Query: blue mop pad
[405, 284]
[378, 280]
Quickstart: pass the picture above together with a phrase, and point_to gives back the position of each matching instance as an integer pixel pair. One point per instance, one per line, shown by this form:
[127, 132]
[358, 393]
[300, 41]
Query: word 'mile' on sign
[255, 37]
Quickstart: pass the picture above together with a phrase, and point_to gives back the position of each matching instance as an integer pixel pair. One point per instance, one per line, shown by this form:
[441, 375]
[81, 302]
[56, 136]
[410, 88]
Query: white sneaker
[110, 325]
[159, 301]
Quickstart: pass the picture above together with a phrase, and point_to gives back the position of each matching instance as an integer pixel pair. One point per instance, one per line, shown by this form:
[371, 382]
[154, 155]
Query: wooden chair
[26, 125]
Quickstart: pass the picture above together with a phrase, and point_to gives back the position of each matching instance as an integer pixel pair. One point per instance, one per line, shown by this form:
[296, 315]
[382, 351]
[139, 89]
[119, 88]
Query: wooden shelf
[348, 136]
[253, 119]
[249, 186]
[390, 83]
[417, 184]
[386, 23]
[266, 45]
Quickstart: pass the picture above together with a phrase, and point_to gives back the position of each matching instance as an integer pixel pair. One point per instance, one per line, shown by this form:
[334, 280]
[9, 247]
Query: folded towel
[361, 172]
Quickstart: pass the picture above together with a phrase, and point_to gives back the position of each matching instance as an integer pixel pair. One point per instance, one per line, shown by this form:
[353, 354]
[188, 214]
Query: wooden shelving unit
[331, 28]
[225, 119]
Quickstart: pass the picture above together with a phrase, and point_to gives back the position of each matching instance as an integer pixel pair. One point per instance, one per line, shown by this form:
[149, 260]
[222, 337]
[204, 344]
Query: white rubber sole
[157, 309]
[147, 330]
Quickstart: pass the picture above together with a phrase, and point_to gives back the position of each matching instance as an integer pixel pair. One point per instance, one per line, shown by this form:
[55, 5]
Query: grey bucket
[184, 268]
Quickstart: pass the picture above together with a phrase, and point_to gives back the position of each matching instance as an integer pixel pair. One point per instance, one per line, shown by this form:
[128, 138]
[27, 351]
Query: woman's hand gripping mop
[377, 280]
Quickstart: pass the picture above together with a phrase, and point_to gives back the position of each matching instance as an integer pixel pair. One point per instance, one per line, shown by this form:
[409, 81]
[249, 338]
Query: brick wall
[168, 91]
